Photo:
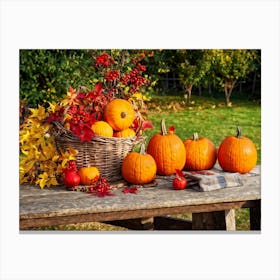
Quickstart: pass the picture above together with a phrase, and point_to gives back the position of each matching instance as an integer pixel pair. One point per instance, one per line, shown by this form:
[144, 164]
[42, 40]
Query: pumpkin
[101, 128]
[129, 132]
[168, 150]
[119, 113]
[237, 153]
[201, 153]
[139, 168]
[88, 175]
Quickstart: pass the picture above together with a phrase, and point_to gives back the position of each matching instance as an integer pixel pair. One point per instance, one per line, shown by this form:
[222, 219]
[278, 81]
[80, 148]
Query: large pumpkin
[168, 150]
[101, 128]
[129, 132]
[139, 168]
[237, 153]
[119, 113]
[88, 175]
[201, 153]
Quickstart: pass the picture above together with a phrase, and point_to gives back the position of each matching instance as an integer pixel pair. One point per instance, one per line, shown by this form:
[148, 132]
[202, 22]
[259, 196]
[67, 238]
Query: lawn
[210, 118]
[207, 116]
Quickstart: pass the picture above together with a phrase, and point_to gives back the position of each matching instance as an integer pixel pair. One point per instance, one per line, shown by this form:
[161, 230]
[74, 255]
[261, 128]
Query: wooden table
[150, 208]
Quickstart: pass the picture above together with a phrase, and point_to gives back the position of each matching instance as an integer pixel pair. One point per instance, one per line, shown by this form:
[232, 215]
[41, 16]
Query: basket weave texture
[105, 153]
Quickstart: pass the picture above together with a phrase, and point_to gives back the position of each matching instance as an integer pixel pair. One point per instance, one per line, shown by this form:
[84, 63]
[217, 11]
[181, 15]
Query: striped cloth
[216, 178]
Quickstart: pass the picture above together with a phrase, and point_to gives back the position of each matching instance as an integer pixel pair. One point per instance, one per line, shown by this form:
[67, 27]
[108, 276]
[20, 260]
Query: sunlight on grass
[212, 120]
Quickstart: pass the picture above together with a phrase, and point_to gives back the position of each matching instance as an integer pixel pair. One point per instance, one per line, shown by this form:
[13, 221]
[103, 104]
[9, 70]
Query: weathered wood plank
[56, 205]
[56, 201]
[130, 214]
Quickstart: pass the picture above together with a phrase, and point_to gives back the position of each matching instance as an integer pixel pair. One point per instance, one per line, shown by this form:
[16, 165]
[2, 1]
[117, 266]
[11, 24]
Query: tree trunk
[199, 90]
[228, 86]
[210, 89]
[254, 82]
[188, 93]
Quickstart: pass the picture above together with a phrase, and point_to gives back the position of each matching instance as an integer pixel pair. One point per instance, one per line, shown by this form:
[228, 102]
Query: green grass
[209, 117]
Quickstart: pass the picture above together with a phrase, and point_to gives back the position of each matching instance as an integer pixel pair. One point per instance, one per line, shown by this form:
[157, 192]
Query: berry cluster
[134, 78]
[112, 75]
[101, 188]
[104, 60]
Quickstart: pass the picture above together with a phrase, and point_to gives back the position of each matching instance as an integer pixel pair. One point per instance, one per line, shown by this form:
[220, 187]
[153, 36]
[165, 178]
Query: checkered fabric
[216, 178]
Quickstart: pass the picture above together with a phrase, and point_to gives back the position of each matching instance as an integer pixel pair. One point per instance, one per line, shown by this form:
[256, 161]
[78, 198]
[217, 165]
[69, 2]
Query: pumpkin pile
[167, 154]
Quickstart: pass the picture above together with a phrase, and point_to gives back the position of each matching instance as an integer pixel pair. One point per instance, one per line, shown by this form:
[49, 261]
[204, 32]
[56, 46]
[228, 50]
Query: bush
[45, 75]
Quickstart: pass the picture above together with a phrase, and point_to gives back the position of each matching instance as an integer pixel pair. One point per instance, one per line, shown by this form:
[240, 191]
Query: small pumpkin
[139, 168]
[88, 175]
[119, 113]
[237, 153]
[101, 128]
[168, 150]
[201, 153]
[129, 132]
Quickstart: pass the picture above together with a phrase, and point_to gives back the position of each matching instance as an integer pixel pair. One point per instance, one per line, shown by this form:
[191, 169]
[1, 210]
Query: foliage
[39, 162]
[46, 74]
[228, 66]
[192, 67]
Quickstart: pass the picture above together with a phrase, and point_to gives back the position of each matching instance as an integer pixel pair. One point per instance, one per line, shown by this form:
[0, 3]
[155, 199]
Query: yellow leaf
[38, 113]
[55, 158]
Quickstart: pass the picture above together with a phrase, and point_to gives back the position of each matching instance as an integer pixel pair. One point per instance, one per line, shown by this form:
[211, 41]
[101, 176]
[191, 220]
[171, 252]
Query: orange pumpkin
[101, 128]
[119, 113]
[237, 153]
[139, 168]
[129, 132]
[201, 153]
[168, 150]
[88, 175]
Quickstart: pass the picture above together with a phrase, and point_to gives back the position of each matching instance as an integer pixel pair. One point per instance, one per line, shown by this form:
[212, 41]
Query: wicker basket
[106, 153]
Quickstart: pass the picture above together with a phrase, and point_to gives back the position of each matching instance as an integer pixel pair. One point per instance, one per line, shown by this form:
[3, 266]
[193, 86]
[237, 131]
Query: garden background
[208, 91]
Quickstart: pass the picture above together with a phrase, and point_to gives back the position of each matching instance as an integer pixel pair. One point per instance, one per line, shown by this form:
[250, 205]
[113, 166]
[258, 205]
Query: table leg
[217, 220]
[255, 216]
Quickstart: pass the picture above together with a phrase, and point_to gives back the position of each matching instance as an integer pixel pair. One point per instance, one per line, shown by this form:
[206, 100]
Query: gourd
[88, 175]
[237, 153]
[168, 150]
[119, 113]
[101, 128]
[201, 153]
[129, 132]
[139, 168]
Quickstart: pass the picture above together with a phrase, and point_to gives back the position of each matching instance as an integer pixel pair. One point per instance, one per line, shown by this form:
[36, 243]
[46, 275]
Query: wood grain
[56, 205]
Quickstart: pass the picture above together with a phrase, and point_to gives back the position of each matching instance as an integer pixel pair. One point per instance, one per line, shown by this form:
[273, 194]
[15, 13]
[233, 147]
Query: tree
[191, 68]
[231, 65]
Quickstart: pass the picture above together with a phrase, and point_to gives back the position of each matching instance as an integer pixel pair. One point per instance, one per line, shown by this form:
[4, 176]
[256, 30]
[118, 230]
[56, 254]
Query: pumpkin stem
[195, 136]
[123, 114]
[163, 127]
[238, 132]
[143, 149]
